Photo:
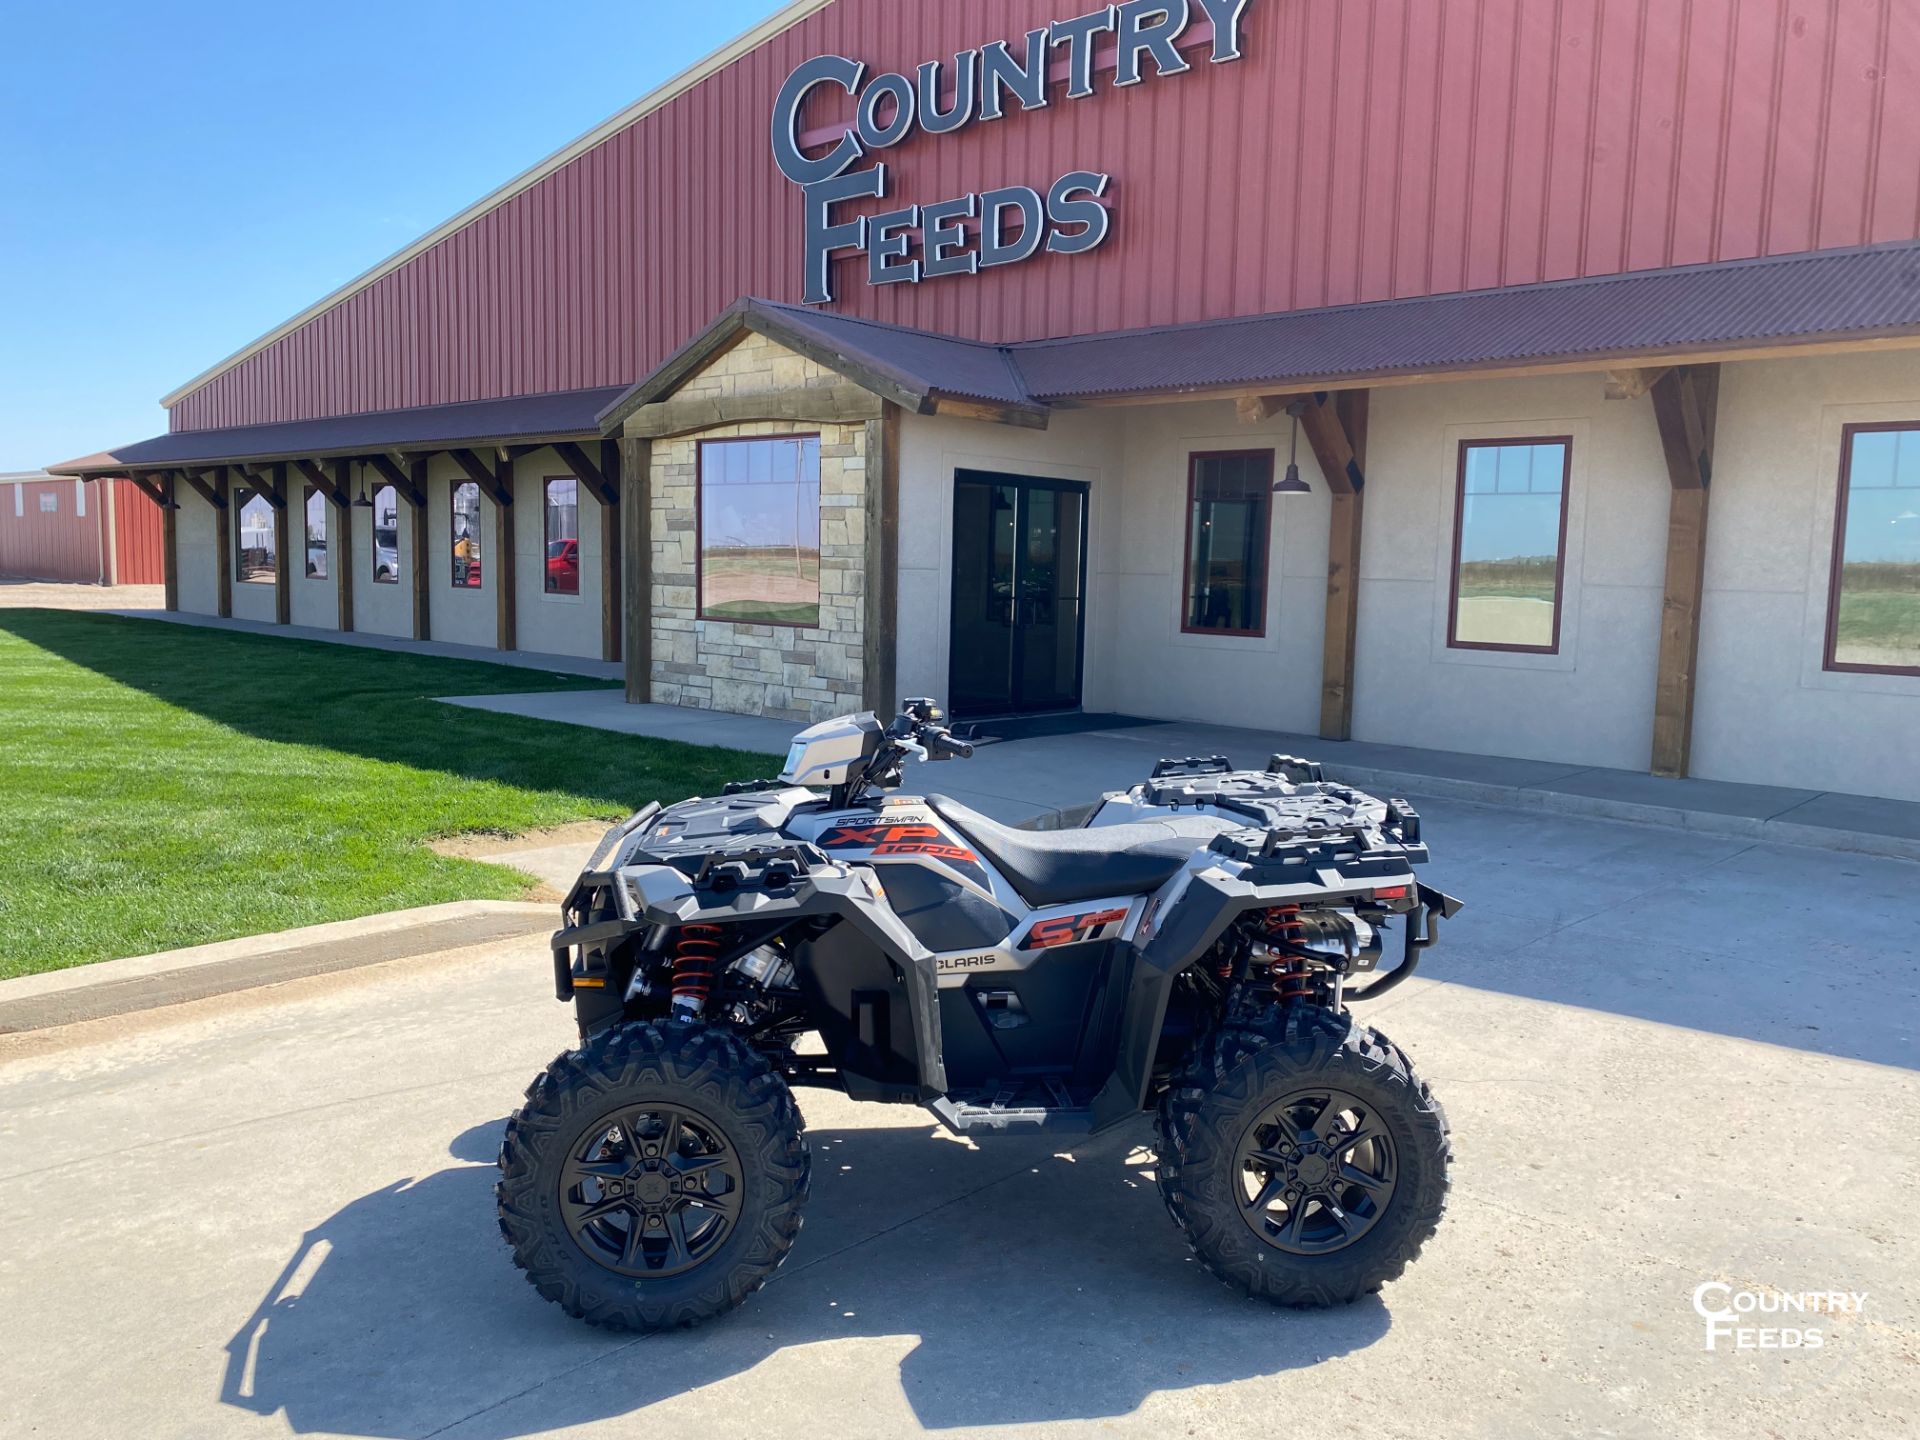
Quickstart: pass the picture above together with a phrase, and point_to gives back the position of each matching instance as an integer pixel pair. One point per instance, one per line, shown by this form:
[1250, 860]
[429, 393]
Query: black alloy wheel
[655, 1177]
[1302, 1156]
[1317, 1172]
[653, 1192]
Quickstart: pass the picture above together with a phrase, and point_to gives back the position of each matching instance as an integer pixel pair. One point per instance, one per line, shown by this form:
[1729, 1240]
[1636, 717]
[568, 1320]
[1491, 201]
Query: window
[466, 536]
[563, 536]
[255, 561]
[386, 536]
[49, 503]
[316, 504]
[1509, 532]
[1229, 496]
[759, 537]
[1873, 603]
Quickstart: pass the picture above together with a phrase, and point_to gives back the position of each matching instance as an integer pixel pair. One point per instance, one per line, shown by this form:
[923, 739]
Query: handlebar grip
[947, 745]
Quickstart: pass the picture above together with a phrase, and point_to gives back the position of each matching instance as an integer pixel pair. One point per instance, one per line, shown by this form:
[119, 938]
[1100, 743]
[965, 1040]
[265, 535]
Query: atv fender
[656, 894]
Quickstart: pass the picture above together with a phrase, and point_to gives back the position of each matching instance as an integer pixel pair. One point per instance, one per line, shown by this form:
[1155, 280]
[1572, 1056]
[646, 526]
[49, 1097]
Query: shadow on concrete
[1818, 950]
[402, 1314]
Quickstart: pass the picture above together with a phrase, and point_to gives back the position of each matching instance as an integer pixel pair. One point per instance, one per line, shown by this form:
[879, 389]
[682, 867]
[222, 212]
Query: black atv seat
[1058, 867]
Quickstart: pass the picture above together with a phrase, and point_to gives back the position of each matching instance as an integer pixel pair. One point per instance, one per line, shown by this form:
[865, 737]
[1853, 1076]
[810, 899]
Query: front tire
[654, 1178]
[1303, 1158]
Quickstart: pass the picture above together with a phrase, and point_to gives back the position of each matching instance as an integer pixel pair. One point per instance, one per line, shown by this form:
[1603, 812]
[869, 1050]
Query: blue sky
[176, 179]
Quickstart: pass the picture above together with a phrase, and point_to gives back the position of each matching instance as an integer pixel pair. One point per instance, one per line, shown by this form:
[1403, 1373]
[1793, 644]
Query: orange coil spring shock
[1290, 979]
[696, 951]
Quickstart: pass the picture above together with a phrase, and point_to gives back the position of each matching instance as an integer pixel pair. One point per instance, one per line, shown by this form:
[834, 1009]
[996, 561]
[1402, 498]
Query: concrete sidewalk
[1030, 780]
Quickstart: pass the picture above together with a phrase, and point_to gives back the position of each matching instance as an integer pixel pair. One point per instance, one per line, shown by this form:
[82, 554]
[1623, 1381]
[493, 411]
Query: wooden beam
[487, 477]
[1685, 407]
[398, 478]
[1332, 446]
[588, 473]
[1339, 638]
[343, 513]
[422, 591]
[149, 488]
[282, 548]
[222, 543]
[1684, 401]
[1025, 417]
[269, 483]
[170, 543]
[880, 650]
[213, 494]
[612, 631]
[499, 489]
[841, 404]
[320, 480]
[636, 610]
[1258, 409]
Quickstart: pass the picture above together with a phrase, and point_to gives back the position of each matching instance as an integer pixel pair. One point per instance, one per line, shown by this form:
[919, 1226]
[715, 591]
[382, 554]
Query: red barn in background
[99, 532]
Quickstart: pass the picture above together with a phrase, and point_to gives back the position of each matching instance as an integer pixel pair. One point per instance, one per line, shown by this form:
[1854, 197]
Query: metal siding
[1363, 150]
[137, 543]
[63, 545]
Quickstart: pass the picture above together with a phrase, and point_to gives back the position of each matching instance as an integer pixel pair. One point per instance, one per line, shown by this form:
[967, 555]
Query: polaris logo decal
[969, 962]
[1072, 929]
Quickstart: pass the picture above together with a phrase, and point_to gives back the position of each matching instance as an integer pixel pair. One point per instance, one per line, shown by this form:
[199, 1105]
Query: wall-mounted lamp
[1291, 483]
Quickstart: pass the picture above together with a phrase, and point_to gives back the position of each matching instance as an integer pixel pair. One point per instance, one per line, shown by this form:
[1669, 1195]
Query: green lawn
[163, 786]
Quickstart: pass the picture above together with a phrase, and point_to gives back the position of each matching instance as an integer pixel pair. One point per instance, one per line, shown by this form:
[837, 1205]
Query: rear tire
[654, 1178]
[1303, 1158]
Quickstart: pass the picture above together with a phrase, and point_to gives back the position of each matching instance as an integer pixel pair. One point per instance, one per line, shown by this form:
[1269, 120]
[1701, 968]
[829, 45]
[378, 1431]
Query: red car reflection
[563, 567]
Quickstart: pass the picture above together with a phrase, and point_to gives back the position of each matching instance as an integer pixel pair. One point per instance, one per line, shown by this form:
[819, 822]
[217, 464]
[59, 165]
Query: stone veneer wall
[779, 670]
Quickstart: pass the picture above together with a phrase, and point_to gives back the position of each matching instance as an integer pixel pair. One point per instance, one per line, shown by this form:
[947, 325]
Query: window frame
[1836, 561]
[547, 482]
[1506, 442]
[699, 529]
[453, 538]
[309, 493]
[1194, 457]
[242, 496]
[373, 537]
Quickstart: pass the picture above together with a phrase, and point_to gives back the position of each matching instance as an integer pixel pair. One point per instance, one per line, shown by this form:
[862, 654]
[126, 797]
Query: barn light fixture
[1292, 484]
[363, 503]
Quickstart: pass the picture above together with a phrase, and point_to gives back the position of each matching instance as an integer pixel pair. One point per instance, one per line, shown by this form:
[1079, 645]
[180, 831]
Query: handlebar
[940, 745]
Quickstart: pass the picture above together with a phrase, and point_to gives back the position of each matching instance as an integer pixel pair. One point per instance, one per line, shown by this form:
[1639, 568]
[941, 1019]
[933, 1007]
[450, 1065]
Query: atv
[1189, 950]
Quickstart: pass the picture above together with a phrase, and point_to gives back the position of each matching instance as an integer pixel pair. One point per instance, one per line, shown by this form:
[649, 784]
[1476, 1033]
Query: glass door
[1019, 582]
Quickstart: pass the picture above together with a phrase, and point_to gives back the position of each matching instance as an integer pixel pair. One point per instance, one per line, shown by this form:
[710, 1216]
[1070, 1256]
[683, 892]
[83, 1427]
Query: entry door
[1019, 582]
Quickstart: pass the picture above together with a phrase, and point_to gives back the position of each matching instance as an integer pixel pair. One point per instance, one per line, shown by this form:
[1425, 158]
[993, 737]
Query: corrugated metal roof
[568, 414]
[1835, 294]
[1795, 297]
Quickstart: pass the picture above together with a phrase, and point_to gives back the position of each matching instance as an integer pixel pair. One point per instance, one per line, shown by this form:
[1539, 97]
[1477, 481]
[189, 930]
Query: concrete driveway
[1668, 1060]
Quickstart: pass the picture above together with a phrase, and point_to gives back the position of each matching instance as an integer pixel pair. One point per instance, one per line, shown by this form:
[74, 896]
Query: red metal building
[102, 532]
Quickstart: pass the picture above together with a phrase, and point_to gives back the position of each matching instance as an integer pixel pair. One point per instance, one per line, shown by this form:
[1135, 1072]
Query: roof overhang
[520, 422]
[869, 356]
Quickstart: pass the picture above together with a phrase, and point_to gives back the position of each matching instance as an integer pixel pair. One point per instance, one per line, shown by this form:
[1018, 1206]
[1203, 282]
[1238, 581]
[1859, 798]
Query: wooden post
[611, 525]
[1685, 406]
[1336, 430]
[343, 513]
[506, 624]
[223, 545]
[282, 535]
[881, 586]
[422, 593]
[170, 540]
[636, 500]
